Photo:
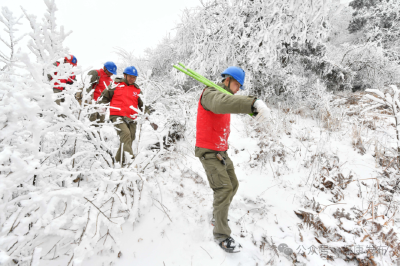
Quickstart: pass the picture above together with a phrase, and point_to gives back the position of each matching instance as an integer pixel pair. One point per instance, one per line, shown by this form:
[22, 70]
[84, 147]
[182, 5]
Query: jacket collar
[102, 72]
[225, 88]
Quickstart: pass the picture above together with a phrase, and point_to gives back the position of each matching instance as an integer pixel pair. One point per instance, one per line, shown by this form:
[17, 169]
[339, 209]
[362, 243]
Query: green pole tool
[198, 77]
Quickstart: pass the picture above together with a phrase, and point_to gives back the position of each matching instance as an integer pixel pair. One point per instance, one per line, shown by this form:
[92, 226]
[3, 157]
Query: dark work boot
[229, 245]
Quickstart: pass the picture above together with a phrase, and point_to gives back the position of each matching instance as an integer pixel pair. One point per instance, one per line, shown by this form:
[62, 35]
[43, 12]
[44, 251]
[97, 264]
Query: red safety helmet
[71, 59]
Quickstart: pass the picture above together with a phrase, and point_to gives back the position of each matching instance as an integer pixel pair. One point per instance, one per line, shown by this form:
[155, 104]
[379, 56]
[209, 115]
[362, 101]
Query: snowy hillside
[309, 169]
[318, 182]
[321, 175]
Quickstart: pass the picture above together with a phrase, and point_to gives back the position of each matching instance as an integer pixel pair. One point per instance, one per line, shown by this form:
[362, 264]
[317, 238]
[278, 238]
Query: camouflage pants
[224, 183]
[126, 132]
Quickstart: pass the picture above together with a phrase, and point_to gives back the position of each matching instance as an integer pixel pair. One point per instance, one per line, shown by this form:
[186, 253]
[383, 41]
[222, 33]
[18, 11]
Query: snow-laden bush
[171, 113]
[390, 98]
[247, 33]
[61, 196]
[311, 61]
[367, 61]
[378, 21]
[296, 95]
[11, 24]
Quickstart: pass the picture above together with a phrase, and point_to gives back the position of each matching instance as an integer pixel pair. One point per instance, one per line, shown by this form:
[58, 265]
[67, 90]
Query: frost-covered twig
[390, 99]
[163, 208]
[11, 23]
[206, 252]
[98, 209]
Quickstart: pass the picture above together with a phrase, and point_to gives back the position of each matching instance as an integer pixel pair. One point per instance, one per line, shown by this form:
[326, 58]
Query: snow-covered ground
[174, 225]
[318, 184]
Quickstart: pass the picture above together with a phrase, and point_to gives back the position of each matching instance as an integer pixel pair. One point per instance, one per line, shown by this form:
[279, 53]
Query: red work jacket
[124, 97]
[212, 130]
[103, 82]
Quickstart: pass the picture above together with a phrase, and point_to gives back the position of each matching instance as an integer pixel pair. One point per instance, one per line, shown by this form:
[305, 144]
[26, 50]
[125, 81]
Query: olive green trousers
[126, 132]
[224, 183]
[96, 116]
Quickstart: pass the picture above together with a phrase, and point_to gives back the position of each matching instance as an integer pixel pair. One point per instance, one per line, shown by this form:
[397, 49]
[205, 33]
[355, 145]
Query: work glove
[264, 113]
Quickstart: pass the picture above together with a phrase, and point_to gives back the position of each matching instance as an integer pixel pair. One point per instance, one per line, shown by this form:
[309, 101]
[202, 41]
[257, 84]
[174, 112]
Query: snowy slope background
[318, 183]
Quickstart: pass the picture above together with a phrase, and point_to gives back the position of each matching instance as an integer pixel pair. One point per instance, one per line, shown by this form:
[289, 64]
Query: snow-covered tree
[11, 23]
[61, 196]
[247, 33]
[379, 21]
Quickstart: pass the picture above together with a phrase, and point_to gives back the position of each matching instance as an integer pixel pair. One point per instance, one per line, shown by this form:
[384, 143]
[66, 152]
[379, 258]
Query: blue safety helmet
[111, 67]
[235, 72]
[131, 70]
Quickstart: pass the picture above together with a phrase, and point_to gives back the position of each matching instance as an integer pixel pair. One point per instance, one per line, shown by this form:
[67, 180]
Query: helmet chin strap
[229, 84]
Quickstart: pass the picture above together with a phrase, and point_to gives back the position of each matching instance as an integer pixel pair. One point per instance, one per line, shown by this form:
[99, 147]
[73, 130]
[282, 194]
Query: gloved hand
[264, 113]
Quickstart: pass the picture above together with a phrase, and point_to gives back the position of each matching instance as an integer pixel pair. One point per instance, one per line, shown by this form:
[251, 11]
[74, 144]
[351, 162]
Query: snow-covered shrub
[301, 96]
[162, 57]
[271, 153]
[61, 196]
[129, 58]
[172, 110]
[246, 33]
[378, 21]
[389, 97]
[11, 24]
[370, 66]
[310, 60]
[339, 17]
[354, 227]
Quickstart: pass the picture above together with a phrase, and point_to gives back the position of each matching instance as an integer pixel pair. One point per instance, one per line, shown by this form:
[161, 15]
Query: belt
[221, 156]
[127, 120]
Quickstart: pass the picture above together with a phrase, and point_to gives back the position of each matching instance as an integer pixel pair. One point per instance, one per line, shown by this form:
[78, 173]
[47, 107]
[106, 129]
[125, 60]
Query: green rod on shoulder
[195, 76]
[198, 77]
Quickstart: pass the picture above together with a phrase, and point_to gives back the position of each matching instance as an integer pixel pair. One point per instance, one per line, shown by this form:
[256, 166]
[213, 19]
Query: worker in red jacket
[124, 100]
[212, 134]
[59, 85]
[100, 79]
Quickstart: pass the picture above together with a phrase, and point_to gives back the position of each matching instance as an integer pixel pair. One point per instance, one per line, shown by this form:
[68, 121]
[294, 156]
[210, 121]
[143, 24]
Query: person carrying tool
[212, 133]
[124, 100]
[99, 80]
